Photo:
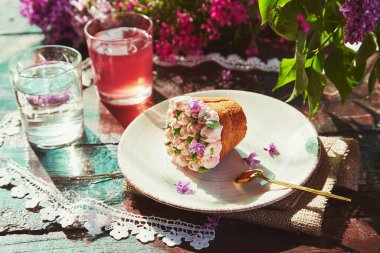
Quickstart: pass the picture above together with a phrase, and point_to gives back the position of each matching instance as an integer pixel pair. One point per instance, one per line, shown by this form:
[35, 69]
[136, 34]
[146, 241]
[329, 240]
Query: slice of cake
[202, 130]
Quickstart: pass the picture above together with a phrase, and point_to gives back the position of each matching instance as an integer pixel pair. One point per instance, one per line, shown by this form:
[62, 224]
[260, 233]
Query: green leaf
[375, 75]
[265, 6]
[176, 150]
[341, 70]
[316, 85]
[372, 80]
[332, 17]
[287, 72]
[367, 48]
[312, 11]
[301, 76]
[315, 62]
[213, 124]
[203, 170]
[283, 21]
[176, 131]
[189, 139]
[192, 119]
[315, 41]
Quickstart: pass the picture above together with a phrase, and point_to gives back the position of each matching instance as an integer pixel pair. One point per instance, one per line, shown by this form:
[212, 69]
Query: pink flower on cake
[213, 148]
[183, 119]
[193, 128]
[177, 141]
[211, 115]
[194, 165]
[211, 135]
[180, 160]
[184, 133]
[210, 162]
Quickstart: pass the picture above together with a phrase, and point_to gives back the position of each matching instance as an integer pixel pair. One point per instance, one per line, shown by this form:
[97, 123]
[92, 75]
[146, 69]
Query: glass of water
[48, 89]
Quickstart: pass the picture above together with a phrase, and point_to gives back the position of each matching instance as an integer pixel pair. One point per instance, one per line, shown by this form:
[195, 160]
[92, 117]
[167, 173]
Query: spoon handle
[303, 188]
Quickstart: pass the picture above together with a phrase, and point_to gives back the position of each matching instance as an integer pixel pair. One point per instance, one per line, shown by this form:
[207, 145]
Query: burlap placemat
[340, 165]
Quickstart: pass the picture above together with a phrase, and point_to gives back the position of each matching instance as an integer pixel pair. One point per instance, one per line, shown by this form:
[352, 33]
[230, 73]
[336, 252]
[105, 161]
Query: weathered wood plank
[59, 242]
[11, 21]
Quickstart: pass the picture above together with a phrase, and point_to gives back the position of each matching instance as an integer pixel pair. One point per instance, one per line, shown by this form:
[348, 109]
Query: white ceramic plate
[146, 165]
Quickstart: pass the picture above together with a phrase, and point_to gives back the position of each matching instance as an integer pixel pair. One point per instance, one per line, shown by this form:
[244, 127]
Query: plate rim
[286, 193]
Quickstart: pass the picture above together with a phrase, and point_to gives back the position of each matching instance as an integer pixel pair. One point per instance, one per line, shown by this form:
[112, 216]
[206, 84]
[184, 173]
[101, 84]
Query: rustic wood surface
[22, 230]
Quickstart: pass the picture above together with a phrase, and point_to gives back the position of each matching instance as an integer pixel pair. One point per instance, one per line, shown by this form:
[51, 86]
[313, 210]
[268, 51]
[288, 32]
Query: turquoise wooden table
[93, 171]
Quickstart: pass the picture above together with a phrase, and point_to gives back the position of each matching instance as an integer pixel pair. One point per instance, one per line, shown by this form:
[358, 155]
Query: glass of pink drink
[120, 47]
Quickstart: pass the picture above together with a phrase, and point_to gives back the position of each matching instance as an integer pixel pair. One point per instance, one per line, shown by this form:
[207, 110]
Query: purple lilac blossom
[361, 18]
[212, 222]
[54, 99]
[183, 187]
[251, 161]
[273, 150]
[53, 17]
[195, 105]
[226, 75]
[198, 148]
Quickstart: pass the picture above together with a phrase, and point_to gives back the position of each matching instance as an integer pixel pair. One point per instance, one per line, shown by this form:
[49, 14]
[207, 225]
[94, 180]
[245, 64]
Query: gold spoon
[249, 175]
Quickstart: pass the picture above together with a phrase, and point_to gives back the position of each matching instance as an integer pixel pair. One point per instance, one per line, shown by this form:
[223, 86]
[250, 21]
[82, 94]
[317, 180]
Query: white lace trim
[89, 213]
[9, 126]
[232, 62]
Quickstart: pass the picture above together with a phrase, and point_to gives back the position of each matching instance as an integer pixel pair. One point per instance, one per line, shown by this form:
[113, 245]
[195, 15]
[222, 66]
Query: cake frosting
[193, 134]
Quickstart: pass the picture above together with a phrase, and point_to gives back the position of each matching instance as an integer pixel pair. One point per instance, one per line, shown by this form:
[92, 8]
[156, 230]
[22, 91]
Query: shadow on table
[125, 114]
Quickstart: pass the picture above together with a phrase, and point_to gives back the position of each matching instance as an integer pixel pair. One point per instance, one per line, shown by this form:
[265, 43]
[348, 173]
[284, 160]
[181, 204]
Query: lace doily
[92, 214]
[231, 62]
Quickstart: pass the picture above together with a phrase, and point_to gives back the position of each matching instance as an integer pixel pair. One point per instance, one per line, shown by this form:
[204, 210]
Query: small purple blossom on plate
[251, 161]
[272, 150]
[226, 75]
[212, 222]
[183, 187]
[198, 148]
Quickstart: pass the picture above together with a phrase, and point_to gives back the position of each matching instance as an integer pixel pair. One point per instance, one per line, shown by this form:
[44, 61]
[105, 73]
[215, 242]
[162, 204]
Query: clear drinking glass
[120, 47]
[48, 89]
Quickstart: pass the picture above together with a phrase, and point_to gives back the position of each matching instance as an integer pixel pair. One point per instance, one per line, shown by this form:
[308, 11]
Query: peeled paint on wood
[232, 118]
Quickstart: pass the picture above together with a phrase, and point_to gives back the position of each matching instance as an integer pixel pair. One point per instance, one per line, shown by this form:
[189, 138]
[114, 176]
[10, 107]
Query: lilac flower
[273, 150]
[304, 26]
[212, 222]
[53, 17]
[252, 51]
[198, 148]
[361, 18]
[183, 187]
[195, 105]
[226, 75]
[54, 99]
[228, 12]
[251, 161]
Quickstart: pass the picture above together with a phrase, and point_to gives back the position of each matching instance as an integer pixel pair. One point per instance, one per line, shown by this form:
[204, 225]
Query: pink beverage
[122, 62]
